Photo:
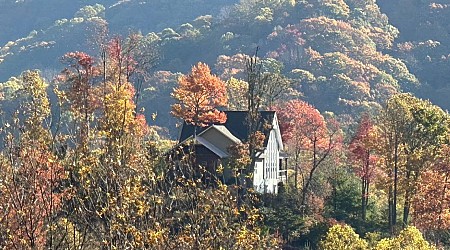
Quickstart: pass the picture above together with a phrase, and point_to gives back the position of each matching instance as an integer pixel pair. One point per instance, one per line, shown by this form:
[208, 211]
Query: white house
[212, 143]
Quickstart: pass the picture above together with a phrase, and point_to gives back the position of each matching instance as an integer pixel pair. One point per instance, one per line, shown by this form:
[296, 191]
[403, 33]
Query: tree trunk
[305, 193]
[394, 208]
[391, 212]
[363, 200]
[367, 200]
[365, 188]
[406, 209]
[407, 204]
[296, 172]
[306, 185]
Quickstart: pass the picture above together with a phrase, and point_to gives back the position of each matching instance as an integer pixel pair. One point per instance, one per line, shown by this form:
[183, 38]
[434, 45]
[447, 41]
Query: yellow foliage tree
[342, 237]
[409, 238]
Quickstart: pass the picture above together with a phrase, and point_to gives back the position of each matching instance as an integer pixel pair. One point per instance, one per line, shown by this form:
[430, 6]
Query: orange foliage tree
[198, 96]
[431, 205]
[29, 197]
[30, 179]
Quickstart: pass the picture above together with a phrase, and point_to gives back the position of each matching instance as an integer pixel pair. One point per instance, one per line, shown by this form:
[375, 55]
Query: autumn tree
[427, 133]
[198, 96]
[341, 237]
[408, 238]
[257, 86]
[293, 140]
[311, 138]
[122, 159]
[410, 132]
[30, 183]
[106, 177]
[430, 206]
[78, 90]
[361, 151]
[390, 132]
[236, 90]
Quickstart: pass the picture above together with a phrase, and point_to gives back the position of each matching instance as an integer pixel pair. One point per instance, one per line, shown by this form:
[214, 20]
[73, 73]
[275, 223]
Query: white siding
[258, 178]
[268, 181]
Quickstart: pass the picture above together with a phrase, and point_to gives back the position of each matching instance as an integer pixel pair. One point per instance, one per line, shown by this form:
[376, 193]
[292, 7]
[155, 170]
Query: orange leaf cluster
[29, 196]
[432, 203]
[198, 95]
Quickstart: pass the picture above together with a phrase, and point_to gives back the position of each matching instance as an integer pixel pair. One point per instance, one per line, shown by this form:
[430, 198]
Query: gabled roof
[236, 124]
[212, 147]
[222, 129]
[222, 140]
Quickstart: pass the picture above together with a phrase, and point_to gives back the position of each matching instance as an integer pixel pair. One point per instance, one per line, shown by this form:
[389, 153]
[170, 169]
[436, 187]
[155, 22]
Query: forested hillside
[423, 43]
[341, 50]
[93, 94]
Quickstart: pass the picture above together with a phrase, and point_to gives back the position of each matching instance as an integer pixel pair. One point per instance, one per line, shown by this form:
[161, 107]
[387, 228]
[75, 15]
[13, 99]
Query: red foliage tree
[306, 131]
[361, 154]
[82, 95]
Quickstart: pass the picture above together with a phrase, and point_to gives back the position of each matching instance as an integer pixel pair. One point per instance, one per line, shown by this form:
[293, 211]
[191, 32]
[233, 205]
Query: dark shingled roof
[236, 123]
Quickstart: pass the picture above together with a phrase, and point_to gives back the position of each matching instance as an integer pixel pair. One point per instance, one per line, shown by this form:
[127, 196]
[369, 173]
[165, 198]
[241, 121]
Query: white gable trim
[211, 147]
[223, 130]
[276, 127]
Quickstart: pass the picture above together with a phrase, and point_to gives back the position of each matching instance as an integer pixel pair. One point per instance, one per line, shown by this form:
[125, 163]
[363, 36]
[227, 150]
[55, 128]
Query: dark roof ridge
[235, 123]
